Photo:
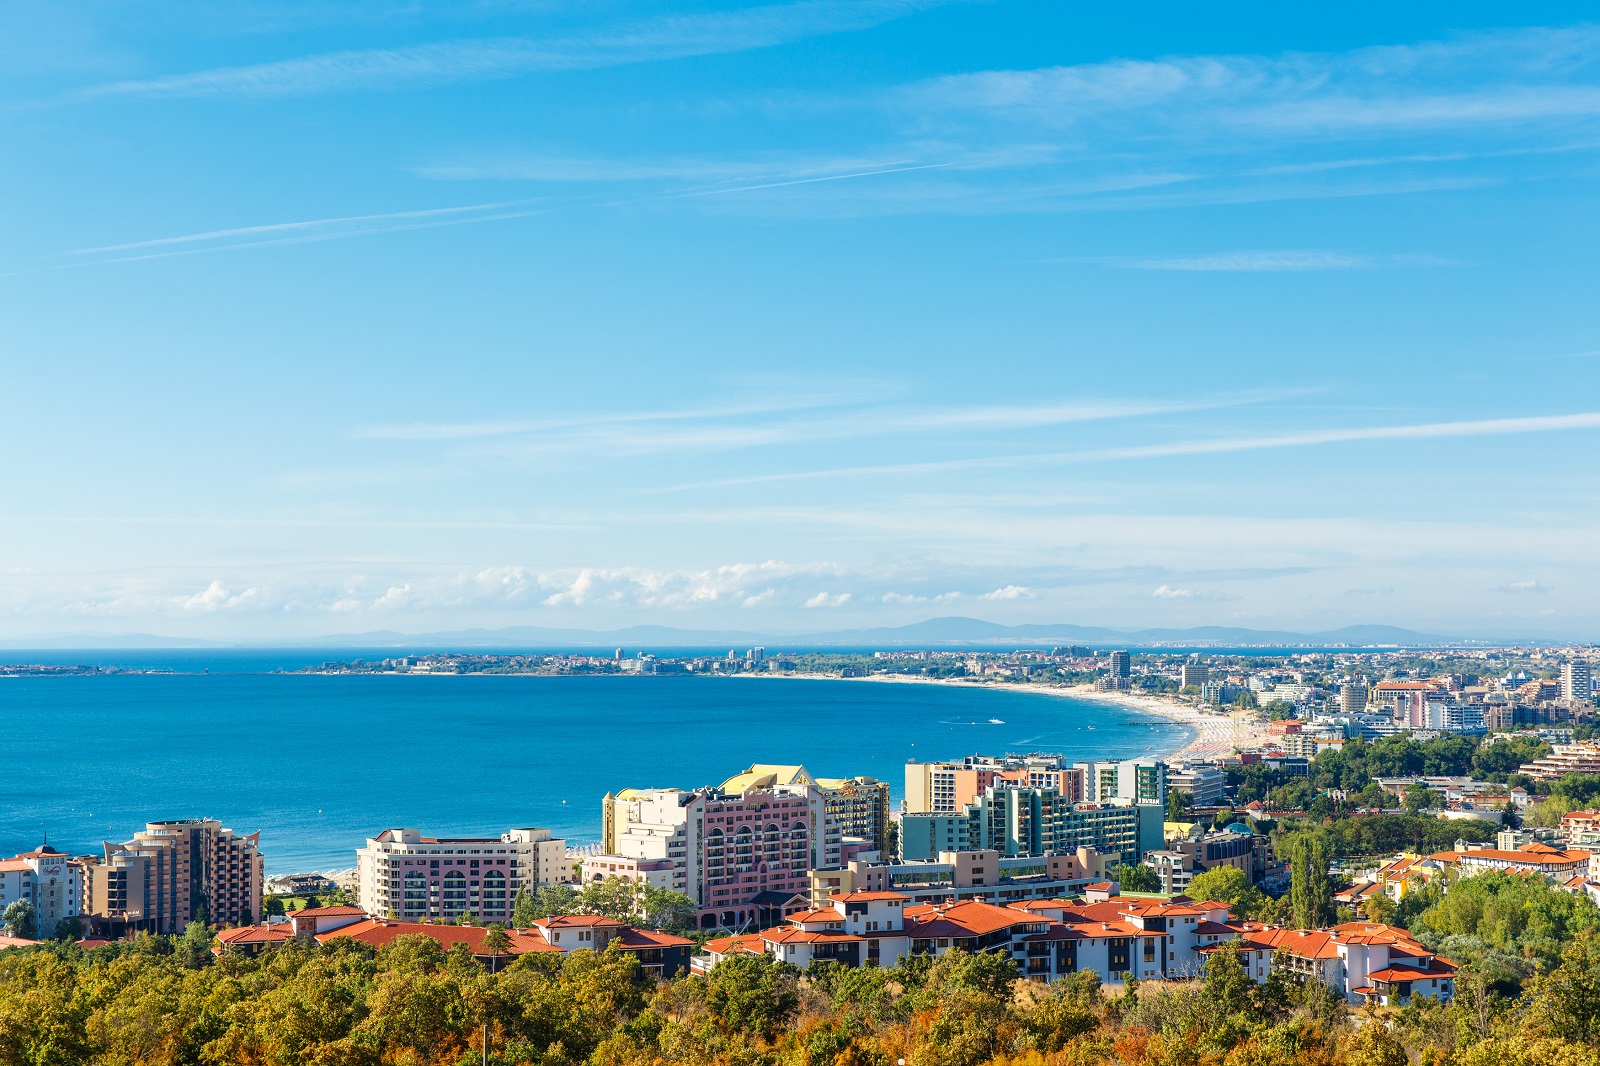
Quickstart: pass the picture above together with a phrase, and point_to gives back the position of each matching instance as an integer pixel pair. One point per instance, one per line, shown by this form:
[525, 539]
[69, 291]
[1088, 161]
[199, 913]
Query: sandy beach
[1216, 735]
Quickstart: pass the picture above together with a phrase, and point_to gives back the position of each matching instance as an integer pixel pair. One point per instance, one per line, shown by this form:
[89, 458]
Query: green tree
[496, 943]
[1310, 891]
[21, 920]
[662, 908]
[1547, 815]
[612, 897]
[1230, 885]
[1177, 804]
[1136, 878]
[752, 994]
[1379, 908]
[194, 946]
[1566, 1002]
[70, 928]
[1420, 797]
[524, 910]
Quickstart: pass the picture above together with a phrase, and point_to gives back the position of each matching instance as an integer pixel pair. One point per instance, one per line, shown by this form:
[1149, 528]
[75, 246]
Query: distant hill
[935, 632]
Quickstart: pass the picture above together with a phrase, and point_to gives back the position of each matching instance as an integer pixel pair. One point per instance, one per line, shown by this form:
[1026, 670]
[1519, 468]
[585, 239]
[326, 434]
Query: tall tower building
[172, 873]
[1121, 664]
[1577, 683]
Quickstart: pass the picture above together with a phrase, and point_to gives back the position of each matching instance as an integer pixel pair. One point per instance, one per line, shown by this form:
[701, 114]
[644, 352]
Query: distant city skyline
[798, 317]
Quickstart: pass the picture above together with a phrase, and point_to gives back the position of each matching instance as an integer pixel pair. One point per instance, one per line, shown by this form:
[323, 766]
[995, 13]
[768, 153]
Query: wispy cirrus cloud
[652, 40]
[803, 421]
[1276, 262]
[344, 227]
[1498, 77]
[1486, 427]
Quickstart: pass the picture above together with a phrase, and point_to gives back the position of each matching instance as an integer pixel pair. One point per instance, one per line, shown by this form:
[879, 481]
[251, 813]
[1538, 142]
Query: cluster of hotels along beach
[1013, 853]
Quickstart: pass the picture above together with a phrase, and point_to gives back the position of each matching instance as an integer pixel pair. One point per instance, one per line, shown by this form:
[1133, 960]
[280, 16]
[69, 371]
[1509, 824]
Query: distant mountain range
[935, 632]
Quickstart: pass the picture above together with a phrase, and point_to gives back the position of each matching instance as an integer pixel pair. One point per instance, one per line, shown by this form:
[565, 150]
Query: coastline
[1215, 736]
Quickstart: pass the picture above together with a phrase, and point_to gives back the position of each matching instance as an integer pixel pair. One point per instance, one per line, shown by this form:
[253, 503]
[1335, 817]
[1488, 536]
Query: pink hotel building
[743, 858]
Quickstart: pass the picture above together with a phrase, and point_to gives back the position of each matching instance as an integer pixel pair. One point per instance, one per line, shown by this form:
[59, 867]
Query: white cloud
[1524, 586]
[822, 599]
[735, 583]
[1167, 592]
[216, 597]
[1504, 77]
[667, 37]
[1009, 592]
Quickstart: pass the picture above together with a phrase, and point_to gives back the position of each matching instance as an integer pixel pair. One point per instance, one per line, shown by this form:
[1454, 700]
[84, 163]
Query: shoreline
[1215, 736]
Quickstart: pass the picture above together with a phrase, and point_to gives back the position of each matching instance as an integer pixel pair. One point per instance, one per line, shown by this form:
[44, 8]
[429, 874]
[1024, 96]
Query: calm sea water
[320, 763]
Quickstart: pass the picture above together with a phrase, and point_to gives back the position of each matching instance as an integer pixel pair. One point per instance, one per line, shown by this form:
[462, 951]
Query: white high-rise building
[1577, 683]
[49, 880]
[403, 874]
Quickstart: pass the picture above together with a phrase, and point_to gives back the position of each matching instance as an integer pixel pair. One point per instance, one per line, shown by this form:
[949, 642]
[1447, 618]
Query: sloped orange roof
[820, 914]
[749, 943]
[963, 919]
[1409, 973]
[326, 912]
[803, 936]
[256, 934]
[578, 921]
[631, 939]
[381, 933]
[1531, 855]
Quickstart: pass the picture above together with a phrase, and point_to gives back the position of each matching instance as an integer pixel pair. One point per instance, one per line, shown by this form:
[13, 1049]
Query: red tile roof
[1408, 973]
[256, 934]
[326, 912]
[631, 939]
[578, 921]
[381, 933]
[802, 936]
[964, 919]
[821, 914]
[749, 943]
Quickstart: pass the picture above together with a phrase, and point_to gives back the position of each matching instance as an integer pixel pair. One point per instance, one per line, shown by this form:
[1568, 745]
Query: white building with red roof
[1361, 961]
[1555, 863]
[1116, 937]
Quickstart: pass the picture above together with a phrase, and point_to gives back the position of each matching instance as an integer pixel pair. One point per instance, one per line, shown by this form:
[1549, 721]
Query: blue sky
[331, 317]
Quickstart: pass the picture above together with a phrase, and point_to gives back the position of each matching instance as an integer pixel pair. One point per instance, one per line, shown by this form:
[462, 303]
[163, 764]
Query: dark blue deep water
[320, 763]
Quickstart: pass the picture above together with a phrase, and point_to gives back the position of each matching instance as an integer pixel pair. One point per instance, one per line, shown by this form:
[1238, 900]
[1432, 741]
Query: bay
[319, 763]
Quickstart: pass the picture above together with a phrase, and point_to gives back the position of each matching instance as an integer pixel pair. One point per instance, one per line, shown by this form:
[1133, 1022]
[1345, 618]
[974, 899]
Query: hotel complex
[403, 874]
[172, 873]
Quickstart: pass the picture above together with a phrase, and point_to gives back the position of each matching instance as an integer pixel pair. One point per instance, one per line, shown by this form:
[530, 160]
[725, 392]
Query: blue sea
[319, 763]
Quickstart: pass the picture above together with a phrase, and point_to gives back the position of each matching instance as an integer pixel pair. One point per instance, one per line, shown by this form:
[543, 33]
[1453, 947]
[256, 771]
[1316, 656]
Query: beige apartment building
[405, 875]
[948, 787]
[173, 872]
